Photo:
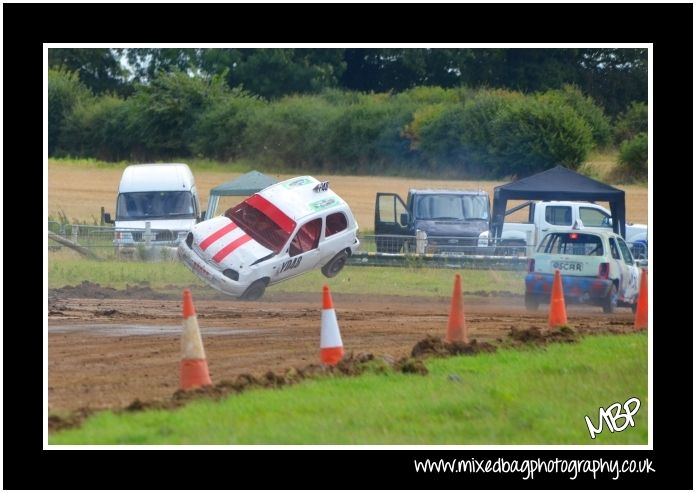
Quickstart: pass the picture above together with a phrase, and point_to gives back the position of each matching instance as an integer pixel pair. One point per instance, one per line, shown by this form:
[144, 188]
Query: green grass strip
[63, 270]
[535, 396]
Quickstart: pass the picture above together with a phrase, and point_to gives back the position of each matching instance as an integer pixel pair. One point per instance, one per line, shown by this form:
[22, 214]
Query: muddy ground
[108, 348]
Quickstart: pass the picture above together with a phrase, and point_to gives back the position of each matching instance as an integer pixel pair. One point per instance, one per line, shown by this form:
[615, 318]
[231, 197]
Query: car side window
[335, 223]
[625, 252]
[614, 249]
[593, 217]
[559, 215]
[307, 238]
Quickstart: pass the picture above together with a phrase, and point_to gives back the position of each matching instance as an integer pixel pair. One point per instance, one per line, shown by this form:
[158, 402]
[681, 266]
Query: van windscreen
[451, 207]
[154, 205]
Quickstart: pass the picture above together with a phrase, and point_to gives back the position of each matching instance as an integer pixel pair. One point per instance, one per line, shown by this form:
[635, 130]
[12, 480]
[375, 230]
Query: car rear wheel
[335, 265]
[255, 291]
[531, 302]
[609, 303]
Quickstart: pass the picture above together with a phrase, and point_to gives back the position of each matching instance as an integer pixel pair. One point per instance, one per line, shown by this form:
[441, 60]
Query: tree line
[613, 77]
[484, 113]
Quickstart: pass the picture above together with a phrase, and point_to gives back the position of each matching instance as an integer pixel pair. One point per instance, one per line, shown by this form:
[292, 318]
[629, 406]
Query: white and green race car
[282, 231]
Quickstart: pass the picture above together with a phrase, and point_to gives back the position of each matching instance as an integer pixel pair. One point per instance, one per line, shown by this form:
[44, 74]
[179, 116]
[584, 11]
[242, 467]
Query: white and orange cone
[331, 345]
[194, 366]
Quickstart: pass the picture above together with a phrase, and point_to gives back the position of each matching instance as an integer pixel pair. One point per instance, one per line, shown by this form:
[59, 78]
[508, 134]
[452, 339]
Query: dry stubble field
[79, 191]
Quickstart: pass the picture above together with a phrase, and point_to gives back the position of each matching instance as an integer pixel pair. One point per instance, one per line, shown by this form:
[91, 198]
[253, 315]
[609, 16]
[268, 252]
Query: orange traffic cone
[641, 321]
[456, 325]
[194, 366]
[557, 310]
[331, 345]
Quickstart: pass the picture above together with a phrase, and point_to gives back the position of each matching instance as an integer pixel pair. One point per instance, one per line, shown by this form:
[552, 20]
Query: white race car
[280, 232]
[596, 267]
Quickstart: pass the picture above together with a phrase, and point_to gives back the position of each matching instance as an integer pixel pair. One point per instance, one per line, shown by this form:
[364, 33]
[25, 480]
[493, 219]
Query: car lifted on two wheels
[282, 231]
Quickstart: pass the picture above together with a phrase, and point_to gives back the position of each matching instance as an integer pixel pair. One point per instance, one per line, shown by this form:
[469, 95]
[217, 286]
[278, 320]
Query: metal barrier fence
[107, 242]
[438, 252]
[392, 250]
[438, 245]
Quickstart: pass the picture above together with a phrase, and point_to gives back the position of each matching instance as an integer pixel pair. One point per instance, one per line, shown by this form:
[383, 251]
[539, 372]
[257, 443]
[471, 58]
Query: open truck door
[391, 220]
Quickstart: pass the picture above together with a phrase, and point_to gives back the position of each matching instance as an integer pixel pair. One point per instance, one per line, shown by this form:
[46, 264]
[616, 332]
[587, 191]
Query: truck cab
[558, 215]
[157, 204]
[451, 219]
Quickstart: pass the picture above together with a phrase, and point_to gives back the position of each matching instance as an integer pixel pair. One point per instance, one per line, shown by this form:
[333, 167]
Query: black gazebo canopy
[559, 183]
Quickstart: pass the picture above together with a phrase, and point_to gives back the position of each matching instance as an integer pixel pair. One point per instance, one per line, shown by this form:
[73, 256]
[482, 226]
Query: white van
[157, 205]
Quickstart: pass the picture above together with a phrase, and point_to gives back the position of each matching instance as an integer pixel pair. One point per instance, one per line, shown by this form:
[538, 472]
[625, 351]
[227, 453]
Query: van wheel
[335, 265]
[255, 291]
[609, 303]
[531, 302]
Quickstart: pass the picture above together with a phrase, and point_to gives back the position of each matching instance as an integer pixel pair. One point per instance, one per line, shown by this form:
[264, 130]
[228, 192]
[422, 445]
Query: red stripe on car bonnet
[217, 235]
[231, 247]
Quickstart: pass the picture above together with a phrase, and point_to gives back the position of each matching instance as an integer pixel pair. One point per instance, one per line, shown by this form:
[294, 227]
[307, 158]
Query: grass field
[536, 396]
[66, 268]
[77, 189]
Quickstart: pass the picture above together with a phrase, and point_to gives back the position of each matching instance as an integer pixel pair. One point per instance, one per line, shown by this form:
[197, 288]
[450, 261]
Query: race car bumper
[208, 274]
[575, 288]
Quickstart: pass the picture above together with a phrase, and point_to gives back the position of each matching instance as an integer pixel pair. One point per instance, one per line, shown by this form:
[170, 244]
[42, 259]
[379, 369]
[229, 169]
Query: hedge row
[476, 133]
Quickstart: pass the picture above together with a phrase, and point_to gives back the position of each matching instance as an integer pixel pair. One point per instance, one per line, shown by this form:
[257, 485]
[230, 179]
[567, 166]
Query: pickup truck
[561, 215]
[457, 221]
[451, 219]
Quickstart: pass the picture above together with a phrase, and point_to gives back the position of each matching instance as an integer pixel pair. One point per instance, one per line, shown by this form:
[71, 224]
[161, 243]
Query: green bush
[633, 156]
[340, 97]
[290, 131]
[588, 110]
[632, 122]
[100, 128]
[168, 108]
[457, 132]
[536, 133]
[219, 132]
[461, 137]
[367, 136]
[65, 91]
[437, 131]
[431, 95]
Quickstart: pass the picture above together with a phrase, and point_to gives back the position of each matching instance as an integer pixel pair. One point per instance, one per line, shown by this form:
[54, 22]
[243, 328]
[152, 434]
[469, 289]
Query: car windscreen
[134, 206]
[451, 207]
[258, 224]
[572, 243]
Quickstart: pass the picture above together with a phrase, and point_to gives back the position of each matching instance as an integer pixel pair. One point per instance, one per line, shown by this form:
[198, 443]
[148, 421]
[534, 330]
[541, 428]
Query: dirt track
[105, 353]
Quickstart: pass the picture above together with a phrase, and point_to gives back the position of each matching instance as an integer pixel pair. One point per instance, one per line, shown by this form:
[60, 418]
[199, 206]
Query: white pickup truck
[561, 215]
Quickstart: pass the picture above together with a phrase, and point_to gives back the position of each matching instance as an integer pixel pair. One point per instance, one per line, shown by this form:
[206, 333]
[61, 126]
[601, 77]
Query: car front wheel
[335, 265]
[255, 291]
